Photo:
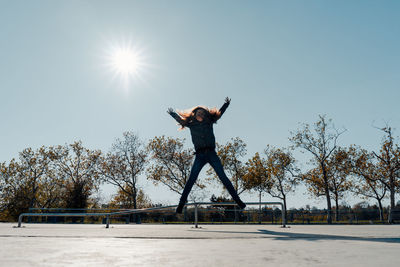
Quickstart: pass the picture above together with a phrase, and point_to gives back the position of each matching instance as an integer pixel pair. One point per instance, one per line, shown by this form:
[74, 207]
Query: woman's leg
[215, 162]
[198, 164]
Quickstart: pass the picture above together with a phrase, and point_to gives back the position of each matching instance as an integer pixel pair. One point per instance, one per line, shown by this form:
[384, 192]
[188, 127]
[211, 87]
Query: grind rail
[107, 215]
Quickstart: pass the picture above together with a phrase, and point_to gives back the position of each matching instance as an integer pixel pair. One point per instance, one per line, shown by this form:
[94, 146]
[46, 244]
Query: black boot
[241, 204]
[180, 208]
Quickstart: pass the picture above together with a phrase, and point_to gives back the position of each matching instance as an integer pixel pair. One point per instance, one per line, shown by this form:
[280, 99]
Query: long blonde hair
[188, 115]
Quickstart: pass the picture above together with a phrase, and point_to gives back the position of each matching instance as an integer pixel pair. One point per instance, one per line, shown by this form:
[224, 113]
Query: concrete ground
[210, 245]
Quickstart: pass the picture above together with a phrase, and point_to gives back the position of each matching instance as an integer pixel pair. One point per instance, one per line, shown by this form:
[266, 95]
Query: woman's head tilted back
[199, 113]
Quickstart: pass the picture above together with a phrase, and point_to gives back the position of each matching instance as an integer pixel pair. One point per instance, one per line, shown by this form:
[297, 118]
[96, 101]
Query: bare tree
[339, 169]
[78, 167]
[389, 166]
[230, 155]
[257, 176]
[283, 173]
[321, 143]
[35, 169]
[366, 173]
[13, 191]
[29, 182]
[123, 166]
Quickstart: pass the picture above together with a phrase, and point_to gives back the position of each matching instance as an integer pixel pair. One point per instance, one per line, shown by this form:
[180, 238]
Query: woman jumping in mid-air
[200, 121]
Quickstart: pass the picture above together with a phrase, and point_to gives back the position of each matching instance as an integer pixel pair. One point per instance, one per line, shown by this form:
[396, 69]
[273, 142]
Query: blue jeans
[199, 162]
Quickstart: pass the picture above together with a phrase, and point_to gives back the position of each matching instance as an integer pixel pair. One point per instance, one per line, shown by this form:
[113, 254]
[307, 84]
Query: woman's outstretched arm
[224, 106]
[173, 114]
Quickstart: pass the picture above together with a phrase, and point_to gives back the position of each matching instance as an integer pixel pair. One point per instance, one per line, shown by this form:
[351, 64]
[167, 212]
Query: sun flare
[126, 62]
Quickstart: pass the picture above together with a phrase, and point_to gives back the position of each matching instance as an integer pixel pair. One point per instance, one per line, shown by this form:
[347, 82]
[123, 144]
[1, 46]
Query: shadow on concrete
[316, 237]
[287, 236]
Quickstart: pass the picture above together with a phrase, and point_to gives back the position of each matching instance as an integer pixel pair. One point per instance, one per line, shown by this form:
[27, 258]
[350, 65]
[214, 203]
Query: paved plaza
[210, 245]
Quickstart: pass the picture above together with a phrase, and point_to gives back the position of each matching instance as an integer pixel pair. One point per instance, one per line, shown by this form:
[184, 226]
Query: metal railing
[107, 215]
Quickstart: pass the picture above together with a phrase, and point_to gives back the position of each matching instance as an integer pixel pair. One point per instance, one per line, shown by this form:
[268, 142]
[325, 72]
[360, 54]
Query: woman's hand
[170, 111]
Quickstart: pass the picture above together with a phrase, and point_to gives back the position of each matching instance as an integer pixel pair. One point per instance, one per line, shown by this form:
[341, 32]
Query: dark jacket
[202, 132]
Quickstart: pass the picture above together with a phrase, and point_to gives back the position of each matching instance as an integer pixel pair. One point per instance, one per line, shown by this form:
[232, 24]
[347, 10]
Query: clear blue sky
[281, 62]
